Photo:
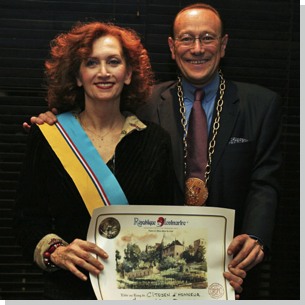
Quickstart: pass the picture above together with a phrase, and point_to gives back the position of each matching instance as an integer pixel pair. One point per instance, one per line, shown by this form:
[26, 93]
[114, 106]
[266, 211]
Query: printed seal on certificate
[216, 291]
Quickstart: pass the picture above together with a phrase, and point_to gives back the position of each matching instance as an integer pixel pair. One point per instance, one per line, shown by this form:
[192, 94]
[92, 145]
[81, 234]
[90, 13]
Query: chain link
[183, 119]
[216, 124]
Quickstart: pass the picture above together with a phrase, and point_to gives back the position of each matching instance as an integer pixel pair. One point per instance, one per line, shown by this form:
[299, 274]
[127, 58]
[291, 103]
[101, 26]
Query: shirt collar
[210, 89]
[131, 124]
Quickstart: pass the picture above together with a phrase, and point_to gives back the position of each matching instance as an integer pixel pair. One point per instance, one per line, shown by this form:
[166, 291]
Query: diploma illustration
[165, 255]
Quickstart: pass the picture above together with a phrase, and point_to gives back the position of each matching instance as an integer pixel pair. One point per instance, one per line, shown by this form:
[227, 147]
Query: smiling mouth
[104, 85]
[196, 62]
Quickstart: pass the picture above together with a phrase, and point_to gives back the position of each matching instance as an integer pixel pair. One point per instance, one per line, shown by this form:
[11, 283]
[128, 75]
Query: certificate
[162, 252]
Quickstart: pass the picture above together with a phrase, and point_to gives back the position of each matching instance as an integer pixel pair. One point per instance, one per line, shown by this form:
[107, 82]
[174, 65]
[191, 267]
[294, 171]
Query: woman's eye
[91, 62]
[114, 61]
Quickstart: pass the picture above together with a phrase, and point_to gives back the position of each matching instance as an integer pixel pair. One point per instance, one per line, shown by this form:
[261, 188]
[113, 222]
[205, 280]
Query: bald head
[198, 6]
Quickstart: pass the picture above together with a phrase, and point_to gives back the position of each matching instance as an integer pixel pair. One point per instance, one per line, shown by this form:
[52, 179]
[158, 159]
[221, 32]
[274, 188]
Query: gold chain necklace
[102, 136]
[216, 124]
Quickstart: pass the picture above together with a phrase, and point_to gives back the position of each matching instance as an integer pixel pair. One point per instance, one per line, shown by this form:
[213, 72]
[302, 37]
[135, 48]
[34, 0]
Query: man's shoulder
[252, 95]
[160, 92]
[164, 86]
[244, 88]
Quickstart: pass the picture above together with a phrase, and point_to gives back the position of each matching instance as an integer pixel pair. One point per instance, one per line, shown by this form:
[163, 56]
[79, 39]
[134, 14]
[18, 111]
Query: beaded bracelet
[47, 255]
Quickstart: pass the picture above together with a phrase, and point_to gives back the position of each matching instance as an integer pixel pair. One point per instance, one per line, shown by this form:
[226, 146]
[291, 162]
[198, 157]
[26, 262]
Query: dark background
[263, 48]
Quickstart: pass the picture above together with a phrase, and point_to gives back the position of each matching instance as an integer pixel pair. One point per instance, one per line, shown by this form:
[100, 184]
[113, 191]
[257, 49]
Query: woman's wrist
[47, 255]
[44, 245]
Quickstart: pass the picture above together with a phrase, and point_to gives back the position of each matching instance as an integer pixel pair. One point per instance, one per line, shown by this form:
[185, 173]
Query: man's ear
[224, 42]
[171, 44]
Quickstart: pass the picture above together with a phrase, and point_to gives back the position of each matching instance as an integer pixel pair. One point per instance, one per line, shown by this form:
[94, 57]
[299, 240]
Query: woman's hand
[78, 253]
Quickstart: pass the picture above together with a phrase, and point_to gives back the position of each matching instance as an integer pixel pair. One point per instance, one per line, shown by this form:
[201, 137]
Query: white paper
[162, 252]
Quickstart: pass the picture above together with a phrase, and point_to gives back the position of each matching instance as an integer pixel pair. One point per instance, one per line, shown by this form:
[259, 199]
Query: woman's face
[105, 72]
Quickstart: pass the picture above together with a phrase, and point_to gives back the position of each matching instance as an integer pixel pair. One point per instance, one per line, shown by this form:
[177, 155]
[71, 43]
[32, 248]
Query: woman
[101, 74]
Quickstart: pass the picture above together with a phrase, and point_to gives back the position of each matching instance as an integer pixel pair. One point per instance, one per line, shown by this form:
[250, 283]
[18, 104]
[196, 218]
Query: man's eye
[208, 38]
[186, 39]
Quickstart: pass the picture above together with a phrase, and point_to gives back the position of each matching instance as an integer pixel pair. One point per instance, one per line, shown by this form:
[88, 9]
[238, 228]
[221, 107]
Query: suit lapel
[170, 120]
[227, 122]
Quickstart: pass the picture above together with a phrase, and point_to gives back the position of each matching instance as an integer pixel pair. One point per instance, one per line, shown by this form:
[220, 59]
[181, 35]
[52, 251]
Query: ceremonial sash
[92, 177]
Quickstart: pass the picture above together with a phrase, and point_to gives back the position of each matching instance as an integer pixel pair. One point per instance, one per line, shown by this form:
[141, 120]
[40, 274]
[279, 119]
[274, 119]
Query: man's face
[198, 63]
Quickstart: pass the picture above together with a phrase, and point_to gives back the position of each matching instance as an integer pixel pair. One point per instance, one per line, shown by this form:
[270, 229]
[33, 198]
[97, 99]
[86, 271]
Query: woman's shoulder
[154, 127]
[35, 132]
[36, 141]
[145, 125]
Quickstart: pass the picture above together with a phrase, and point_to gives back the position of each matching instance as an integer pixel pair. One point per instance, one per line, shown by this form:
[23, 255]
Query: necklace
[212, 143]
[101, 136]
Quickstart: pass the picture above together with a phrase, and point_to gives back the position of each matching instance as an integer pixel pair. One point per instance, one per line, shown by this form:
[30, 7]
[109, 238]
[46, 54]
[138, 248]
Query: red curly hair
[68, 50]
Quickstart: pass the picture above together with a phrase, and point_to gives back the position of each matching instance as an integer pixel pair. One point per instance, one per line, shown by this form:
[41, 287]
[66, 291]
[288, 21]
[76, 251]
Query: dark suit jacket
[245, 174]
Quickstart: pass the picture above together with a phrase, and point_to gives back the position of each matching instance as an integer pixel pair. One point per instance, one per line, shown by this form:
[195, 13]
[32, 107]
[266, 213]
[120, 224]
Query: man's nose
[197, 46]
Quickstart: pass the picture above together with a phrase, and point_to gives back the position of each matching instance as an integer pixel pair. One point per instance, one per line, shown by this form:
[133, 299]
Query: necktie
[197, 136]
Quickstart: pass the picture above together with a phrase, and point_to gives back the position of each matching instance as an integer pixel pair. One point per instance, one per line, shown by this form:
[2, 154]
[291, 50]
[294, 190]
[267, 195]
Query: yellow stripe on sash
[74, 168]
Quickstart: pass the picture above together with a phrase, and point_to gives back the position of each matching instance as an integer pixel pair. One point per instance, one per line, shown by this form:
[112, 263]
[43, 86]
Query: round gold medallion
[196, 192]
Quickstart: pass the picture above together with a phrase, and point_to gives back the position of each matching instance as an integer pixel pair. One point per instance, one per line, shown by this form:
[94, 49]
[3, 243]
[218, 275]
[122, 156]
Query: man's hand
[236, 278]
[79, 254]
[47, 117]
[247, 252]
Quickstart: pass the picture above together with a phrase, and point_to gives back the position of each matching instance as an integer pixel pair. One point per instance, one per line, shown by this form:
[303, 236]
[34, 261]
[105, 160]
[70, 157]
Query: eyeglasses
[205, 40]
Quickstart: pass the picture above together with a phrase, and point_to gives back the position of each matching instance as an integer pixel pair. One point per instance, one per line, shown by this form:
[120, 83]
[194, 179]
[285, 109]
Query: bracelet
[47, 255]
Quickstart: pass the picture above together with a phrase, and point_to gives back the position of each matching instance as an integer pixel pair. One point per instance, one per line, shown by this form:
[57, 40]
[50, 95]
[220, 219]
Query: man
[246, 160]
[244, 125]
